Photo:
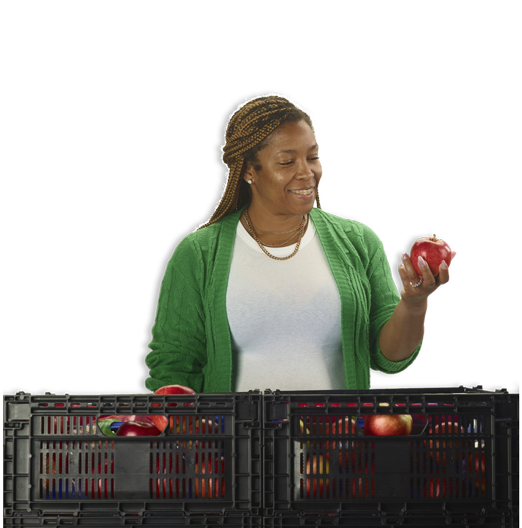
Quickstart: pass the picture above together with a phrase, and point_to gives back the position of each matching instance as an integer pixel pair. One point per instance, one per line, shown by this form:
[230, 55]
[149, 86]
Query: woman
[273, 293]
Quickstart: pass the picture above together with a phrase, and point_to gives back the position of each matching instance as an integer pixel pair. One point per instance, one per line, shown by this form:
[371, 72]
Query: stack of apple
[479, 458]
[318, 462]
[145, 425]
[161, 422]
[62, 425]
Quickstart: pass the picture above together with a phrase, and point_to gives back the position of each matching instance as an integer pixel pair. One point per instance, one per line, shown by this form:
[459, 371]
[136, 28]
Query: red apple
[140, 418]
[210, 473]
[188, 425]
[433, 251]
[320, 469]
[450, 428]
[435, 493]
[482, 468]
[387, 424]
[138, 429]
[196, 426]
[343, 426]
[363, 488]
[159, 420]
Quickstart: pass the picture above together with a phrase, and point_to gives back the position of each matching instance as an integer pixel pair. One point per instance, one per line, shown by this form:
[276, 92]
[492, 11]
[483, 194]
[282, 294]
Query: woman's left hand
[416, 296]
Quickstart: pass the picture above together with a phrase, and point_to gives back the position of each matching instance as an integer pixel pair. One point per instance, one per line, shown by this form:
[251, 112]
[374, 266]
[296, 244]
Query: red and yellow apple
[388, 424]
[443, 428]
[433, 250]
[160, 421]
[317, 470]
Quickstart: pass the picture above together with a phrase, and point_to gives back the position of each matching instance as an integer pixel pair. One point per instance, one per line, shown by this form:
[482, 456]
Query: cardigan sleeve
[178, 346]
[384, 299]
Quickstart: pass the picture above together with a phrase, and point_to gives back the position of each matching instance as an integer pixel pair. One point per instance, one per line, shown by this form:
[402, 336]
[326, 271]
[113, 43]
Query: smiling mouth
[304, 191]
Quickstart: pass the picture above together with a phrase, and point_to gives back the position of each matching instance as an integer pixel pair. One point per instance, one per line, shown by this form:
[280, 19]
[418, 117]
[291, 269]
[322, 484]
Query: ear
[248, 172]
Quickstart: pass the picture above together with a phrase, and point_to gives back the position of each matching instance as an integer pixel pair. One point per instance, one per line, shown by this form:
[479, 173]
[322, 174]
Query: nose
[304, 171]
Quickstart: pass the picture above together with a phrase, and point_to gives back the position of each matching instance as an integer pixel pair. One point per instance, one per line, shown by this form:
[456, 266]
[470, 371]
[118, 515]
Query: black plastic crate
[60, 468]
[256, 448]
[458, 466]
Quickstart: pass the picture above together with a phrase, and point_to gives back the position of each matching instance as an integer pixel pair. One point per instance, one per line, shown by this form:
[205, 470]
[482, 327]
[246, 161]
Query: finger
[453, 253]
[403, 275]
[408, 274]
[425, 270]
[411, 273]
[443, 273]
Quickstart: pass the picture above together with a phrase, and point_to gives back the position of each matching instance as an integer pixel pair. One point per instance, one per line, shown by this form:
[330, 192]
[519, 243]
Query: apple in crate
[138, 429]
[318, 472]
[388, 424]
[444, 429]
[207, 481]
[435, 492]
[433, 250]
[477, 473]
[344, 425]
[160, 421]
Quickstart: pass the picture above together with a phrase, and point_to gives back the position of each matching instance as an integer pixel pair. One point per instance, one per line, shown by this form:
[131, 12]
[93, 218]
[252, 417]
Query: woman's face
[286, 183]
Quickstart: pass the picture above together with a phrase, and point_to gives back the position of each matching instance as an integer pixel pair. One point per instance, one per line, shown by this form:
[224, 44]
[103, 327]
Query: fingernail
[421, 261]
[443, 265]
[405, 256]
[453, 254]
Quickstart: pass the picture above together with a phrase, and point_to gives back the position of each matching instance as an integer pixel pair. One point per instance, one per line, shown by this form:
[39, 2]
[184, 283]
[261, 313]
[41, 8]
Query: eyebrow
[291, 151]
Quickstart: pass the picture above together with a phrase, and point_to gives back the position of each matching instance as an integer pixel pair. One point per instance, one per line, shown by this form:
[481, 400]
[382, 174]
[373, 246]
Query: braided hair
[248, 132]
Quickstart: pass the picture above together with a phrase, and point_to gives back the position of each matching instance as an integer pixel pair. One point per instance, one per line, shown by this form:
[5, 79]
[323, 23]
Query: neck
[265, 220]
[284, 238]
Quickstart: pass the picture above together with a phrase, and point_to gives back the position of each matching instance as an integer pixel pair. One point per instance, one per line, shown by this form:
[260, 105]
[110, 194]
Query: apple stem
[434, 238]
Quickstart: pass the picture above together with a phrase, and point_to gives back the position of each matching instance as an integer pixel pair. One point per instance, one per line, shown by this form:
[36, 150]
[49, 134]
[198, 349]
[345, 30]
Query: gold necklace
[253, 228]
[260, 244]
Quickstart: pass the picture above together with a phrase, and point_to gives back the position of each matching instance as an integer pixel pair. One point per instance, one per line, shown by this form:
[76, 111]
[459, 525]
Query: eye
[314, 159]
[290, 162]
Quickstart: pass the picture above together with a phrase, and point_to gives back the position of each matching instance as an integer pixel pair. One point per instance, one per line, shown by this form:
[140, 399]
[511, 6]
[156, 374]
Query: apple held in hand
[388, 424]
[159, 420]
[433, 251]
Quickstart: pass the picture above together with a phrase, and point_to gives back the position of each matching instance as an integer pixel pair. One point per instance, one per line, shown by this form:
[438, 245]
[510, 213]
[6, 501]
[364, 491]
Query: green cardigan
[191, 342]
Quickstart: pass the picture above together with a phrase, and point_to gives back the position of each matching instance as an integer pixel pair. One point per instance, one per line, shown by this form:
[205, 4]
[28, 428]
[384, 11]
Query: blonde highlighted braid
[247, 133]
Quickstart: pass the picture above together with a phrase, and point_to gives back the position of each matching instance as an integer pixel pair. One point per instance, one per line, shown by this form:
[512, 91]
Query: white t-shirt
[284, 317]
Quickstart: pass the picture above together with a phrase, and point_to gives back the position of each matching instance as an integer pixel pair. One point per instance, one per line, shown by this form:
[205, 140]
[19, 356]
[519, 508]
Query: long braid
[247, 129]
